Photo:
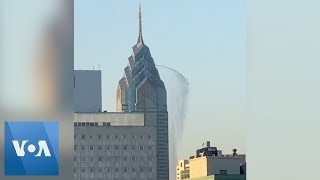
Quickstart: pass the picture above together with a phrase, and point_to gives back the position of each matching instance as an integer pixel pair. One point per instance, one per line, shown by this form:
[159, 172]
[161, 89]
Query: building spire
[140, 39]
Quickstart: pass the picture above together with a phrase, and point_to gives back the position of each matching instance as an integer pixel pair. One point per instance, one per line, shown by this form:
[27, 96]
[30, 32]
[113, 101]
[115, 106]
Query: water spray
[177, 86]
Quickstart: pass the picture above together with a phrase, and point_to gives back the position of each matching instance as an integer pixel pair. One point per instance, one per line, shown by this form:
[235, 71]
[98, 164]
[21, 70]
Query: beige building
[183, 170]
[210, 163]
[221, 177]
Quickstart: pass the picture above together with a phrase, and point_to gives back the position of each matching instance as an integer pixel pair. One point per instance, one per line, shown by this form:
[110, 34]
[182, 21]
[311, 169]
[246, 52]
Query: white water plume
[177, 87]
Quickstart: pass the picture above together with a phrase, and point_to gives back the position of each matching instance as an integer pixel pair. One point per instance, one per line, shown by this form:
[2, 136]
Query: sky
[203, 40]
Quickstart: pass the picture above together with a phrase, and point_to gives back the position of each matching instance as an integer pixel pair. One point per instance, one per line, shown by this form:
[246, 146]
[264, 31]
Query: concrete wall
[198, 167]
[221, 177]
[115, 119]
[205, 166]
[231, 164]
[87, 91]
[112, 153]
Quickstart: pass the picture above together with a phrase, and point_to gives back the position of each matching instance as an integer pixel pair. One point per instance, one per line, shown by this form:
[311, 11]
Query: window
[133, 136]
[75, 147]
[91, 170]
[99, 148]
[124, 136]
[83, 159]
[108, 148]
[116, 147]
[141, 136]
[223, 172]
[141, 158]
[75, 170]
[149, 148]
[83, 136]
[149, 169]
[91, 137]
[125, 170]
[75, 136]
[91, 159]
[100, 159]
[83, 170]
[125, 148]
[116, 170]
[108, 136]
[106, 124]
[125, 158]
[99, 136]
[116, 136]
[141, 148]
[74, 159]
[83, 148]
[133, 159]
[133, 147]
[149, 136]
[108, 170]
[91, 148]
[100, 170]
[133, 170]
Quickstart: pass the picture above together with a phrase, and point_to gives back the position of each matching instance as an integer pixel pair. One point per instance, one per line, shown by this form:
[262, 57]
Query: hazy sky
[204, 40]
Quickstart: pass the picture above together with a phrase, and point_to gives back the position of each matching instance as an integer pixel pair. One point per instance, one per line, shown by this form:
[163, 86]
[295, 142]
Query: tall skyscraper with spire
[142, 90]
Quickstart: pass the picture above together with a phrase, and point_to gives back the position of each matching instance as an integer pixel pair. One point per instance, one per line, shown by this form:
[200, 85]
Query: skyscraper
[142, 90]
[133, 142]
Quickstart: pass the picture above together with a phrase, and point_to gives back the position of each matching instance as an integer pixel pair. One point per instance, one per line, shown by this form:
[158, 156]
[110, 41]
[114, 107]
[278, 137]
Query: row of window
[116, 170]
[115, 148]
[115, 158]
[115, 136]
[92, 124]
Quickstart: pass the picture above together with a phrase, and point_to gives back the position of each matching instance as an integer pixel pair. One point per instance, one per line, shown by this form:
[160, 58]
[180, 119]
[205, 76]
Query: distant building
[183, 170]
[131, 143]
[221, 177]
[87, 91]
[142, 90]
[210, 163]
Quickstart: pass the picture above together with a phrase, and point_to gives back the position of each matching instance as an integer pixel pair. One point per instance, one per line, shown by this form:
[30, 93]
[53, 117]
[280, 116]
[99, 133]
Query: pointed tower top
[140, 39]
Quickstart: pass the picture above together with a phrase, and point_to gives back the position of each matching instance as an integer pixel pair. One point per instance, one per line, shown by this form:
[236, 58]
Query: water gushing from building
[177, 86]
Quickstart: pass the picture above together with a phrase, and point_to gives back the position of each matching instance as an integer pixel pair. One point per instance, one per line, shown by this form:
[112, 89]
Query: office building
[114, 146]
[209, 162]
[142, 90]
[131, 143]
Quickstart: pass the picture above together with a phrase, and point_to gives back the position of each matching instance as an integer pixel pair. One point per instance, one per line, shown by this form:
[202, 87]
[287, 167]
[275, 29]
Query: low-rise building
[221, 177]
[209, 162]
[183, 170]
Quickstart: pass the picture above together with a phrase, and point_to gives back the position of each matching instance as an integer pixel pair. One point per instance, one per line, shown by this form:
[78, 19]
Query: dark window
[223, 172]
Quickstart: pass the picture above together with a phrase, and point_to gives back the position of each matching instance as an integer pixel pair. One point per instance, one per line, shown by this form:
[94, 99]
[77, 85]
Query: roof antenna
[140, 39]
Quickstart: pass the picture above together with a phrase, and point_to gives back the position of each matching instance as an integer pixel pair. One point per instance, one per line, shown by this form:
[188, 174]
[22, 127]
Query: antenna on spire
[140, 39]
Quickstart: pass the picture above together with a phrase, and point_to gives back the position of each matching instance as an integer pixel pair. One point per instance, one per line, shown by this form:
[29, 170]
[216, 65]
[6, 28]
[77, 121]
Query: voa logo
[43, 147]
[31, 148]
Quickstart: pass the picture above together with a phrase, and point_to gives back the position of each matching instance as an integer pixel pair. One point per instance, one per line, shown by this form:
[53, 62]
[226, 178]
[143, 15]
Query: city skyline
[226, 106]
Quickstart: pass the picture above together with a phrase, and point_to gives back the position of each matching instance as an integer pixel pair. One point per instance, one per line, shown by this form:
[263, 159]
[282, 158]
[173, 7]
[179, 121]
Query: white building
[87, 91]
[210, 161]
